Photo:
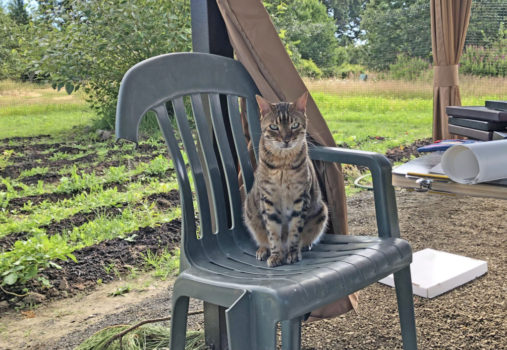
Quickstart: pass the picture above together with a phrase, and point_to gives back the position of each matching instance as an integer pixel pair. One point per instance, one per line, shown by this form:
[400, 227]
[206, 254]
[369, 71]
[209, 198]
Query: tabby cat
[284, 211]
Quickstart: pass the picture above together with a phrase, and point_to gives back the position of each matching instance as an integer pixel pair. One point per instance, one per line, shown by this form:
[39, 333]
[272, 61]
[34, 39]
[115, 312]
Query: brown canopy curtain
[449, 23]
[258, 47]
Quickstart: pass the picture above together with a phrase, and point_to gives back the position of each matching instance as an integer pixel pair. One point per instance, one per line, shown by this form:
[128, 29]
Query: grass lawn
[30, 110]
[376, 116]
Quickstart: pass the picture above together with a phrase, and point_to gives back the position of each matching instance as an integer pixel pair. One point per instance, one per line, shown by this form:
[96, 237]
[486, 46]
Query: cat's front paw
[293, 256]
[275, 260]
[262, 253]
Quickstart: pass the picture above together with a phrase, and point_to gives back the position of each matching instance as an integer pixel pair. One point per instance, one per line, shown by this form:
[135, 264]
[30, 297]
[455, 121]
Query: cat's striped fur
[284, 210]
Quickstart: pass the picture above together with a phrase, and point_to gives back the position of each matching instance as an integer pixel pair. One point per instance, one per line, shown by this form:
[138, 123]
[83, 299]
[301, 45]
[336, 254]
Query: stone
[34, 298]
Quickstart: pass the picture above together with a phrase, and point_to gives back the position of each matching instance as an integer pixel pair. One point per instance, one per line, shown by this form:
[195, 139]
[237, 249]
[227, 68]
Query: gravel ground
[469, 317]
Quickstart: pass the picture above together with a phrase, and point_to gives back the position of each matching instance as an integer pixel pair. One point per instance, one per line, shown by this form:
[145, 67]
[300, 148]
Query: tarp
[257, 46]
[449, 24]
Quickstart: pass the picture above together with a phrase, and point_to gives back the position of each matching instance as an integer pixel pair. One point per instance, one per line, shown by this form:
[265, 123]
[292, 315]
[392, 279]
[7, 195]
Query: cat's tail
[315, 225]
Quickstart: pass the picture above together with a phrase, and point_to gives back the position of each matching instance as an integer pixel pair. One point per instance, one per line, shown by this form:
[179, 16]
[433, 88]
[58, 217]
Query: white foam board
[435, 272]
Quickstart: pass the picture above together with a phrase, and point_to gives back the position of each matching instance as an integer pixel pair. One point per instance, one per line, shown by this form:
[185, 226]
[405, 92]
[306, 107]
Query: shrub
[341, 55]
[481, 61]
[486, 61]
[98, 41]
[408, 68]
[308, 68]
[348, 70]
[8, 29]
[356, 54]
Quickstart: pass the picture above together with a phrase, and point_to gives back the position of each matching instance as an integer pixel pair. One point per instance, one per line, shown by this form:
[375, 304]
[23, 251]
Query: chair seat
[333, 268]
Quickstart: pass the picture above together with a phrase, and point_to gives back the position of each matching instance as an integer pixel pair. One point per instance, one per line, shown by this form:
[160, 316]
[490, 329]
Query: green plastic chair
[218, 265]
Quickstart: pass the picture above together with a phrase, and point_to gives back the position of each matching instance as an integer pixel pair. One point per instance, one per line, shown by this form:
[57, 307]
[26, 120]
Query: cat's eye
[273, 127]
[295, 125]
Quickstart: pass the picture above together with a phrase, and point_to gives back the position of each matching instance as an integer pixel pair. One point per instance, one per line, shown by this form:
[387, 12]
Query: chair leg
[239, 324]
[291, 334]
[403, 283]
[179, 322]
[266, 334]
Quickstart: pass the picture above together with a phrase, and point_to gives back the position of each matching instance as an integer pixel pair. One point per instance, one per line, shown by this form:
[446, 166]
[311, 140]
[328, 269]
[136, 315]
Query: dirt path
[64, 324]
[469, 317]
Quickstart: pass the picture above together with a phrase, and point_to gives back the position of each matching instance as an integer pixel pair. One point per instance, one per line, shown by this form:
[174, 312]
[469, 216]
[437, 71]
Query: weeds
[164, 264]
[29, 257]
[33, 171]
[120, 291]
[4, 158]
[47, 212]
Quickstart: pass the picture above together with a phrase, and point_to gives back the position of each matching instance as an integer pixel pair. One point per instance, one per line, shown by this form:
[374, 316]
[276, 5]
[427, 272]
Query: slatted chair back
[212, 138]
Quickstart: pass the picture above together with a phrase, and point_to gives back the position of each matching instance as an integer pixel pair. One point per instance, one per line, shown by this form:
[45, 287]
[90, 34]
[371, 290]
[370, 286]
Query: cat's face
[283, 124]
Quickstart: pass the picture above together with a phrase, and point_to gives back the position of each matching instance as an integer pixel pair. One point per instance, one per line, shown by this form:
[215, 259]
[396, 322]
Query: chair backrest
[212, 138]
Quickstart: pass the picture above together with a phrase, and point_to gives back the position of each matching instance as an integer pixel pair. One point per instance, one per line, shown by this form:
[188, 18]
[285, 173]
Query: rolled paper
[476, 162]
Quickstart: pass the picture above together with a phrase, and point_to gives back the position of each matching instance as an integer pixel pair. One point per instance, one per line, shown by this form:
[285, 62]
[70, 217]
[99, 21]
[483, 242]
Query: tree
[17, 12]
[306, 29]
[347, 17]
[7, 41]
[53, 12]
[394, 27]
[14, 40]
[486, 18]
[101, 39]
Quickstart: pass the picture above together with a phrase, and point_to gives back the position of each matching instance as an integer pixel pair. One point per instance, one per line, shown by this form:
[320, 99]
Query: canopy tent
[449, 24]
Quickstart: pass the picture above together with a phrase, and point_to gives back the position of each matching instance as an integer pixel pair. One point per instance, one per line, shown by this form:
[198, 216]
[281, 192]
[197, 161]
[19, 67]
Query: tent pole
[209, 35]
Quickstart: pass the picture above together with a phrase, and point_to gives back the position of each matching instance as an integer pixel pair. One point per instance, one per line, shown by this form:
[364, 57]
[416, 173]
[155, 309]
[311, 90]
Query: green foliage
[17, 51]
[78, 182]
[481, 61]
[347, 17]
[308, 68]
[8, 40]
[487, 19]
[84, 202]
[158, 166]
[89, 51]
[396, 27]
[4, 158]
[120, 291]
[29, 257]
[408, 68]
[33, 171]
[306, 30]
[17, 11]
[346, 71]
[164, 264]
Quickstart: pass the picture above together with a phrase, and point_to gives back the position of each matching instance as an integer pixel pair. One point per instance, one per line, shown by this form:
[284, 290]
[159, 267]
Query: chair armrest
[383, 191]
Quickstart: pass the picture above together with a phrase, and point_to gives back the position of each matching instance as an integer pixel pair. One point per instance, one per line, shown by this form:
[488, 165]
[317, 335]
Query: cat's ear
[264, 105]
[300, 102]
